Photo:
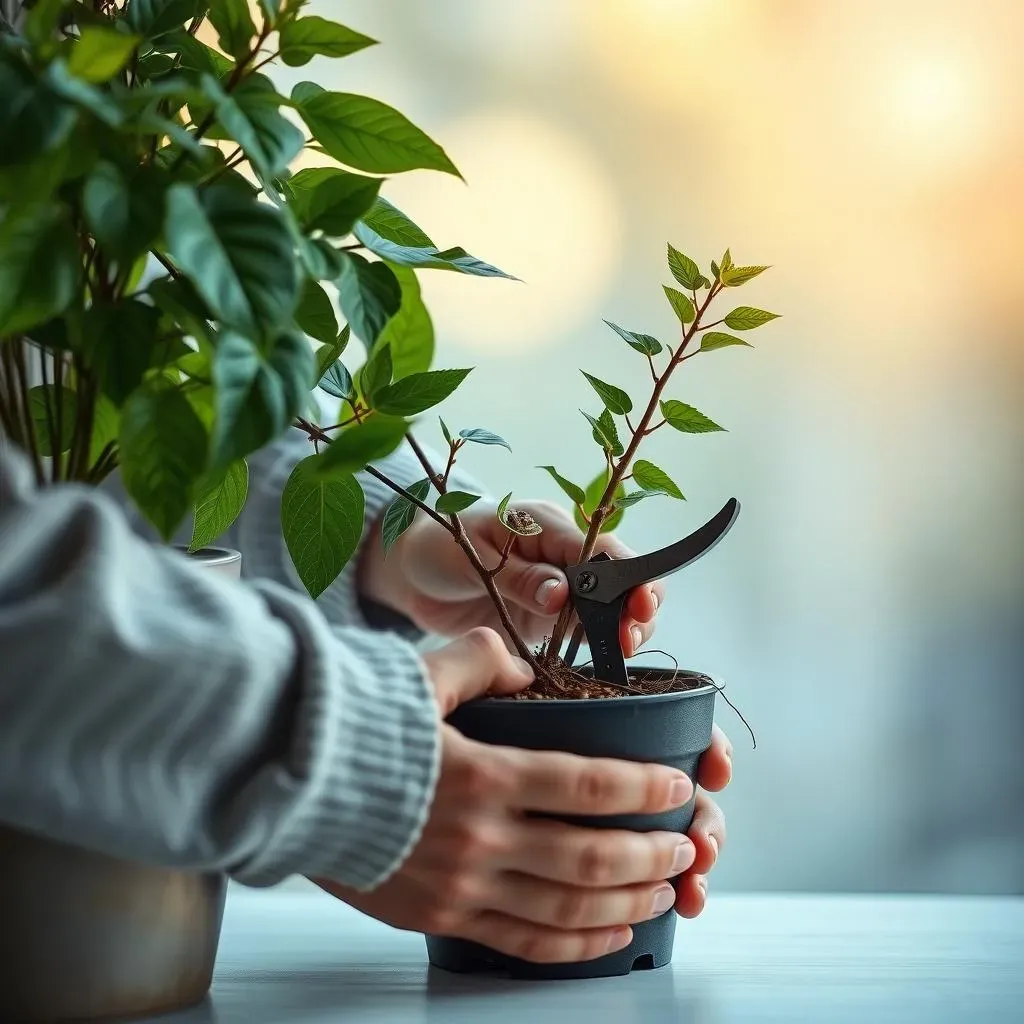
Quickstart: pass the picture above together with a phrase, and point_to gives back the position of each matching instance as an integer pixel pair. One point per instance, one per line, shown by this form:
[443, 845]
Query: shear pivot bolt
[585, 582]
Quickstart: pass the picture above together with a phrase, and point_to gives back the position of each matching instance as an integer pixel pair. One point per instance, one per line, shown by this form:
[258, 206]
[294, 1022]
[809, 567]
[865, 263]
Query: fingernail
[619, 939]
[684, 856]
[713, 843]
[679, 792]
[544, 592]
[638, 637]
[522, 666]
[654, 598]
[664, 899]
[702, 884]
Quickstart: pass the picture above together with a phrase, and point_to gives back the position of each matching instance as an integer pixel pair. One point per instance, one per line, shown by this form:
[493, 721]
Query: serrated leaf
[305, 38]
[572, 491]
[234, 27]
[238, 254]
[455, 501]
[337, 381]
[162, 455]
[681, 304]
[399, 515]
[99, 53]
[615, 399]
[410, 332]
[42, 407]
[377, 373]
[328, 355]
[480, 436]
[369, 294]
[650, 478]
[683, 269]
[363, 443]
[124, 215]
[746, 318]
[322, 513]
[331, 200]
[643, 343]
[368, 135]
[595, 491]
[719, 339]
[687, 419]
[220, 498]
[735, 276]
[606, 433]
[314, 314]
[418, 392]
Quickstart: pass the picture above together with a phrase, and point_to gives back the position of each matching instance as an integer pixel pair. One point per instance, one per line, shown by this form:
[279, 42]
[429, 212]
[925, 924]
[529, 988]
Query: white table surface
[291, 957]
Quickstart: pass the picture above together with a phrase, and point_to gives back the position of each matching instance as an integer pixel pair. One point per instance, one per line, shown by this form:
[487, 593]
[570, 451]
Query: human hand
[428, 578]
[533, 888]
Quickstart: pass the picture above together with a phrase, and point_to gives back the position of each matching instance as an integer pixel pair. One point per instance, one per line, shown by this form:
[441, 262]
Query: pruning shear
[598, 590]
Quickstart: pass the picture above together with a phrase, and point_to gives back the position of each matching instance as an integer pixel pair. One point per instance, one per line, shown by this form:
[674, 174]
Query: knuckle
[595, 786]
[479, 779]
[459, 889]
[536, 947]
[572, 910]
[596, 865]
[487, 642]
[441, 920]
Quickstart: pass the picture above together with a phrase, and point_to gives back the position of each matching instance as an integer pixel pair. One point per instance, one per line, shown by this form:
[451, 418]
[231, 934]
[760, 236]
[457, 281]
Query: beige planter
[84, 937]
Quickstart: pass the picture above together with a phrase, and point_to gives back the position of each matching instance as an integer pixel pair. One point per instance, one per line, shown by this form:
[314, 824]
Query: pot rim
[211, 555]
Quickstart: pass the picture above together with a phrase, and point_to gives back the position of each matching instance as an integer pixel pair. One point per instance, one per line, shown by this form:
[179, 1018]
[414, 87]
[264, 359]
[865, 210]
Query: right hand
[536, 889]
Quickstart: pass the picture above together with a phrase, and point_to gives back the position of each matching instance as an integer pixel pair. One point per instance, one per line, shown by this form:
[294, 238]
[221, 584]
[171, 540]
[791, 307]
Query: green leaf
[322, 522]
[363, 443]
[368, 135]
[719, 339]
[272, 9]
[330, 200]
[457, 260]
[391, 224]
[251, 116]
[162, 454]
[377, 373]
[153, 18]
[399, 515]
[687, 419]
[444, 430]
[196, 56]
[641, 342]
[98, 102]
[304, 38]
[119, 341]
[39, 266]
[43, 398]
[337, 381]
[328, 355]
[746, 318]
[480, 436]
[124, 216]
[615, 399]
[735, 276]
[726, 262]
[369, 294]
[715, 270]
[409, 334]
[572, 491]
[681, 304]
[234, 26]
[628, 500]
[258, 393]
[683, 269]
[594, 493]
[220, 498]
[238, 253]
[455, 501]
[106, 424]
[503, 507]
[315, 314]
[606, 434]
[651, 478]
[41, 20]
[33, 120]
[100, 53]
[418, 392]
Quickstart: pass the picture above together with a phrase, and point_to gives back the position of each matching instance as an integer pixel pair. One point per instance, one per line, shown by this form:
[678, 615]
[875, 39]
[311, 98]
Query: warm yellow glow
[539, 206]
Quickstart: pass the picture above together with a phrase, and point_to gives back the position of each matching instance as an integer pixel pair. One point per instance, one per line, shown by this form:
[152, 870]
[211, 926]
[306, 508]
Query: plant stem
[408, 495]
[17, 361]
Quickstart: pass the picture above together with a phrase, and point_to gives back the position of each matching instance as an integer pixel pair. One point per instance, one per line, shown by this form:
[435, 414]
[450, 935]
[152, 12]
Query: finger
[715, 769]
[540, 944]
[568, 784]
[643, 602]
[633, 635]
[707, 832]
[597, 858]
[473, 665]
[691, 895]
[537, 587]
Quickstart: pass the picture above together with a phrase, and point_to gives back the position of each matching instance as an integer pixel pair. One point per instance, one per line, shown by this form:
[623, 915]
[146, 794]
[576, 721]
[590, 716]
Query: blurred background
[867, 612]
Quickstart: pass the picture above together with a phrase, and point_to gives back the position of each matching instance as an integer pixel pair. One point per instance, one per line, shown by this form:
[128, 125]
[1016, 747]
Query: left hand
[428, 578]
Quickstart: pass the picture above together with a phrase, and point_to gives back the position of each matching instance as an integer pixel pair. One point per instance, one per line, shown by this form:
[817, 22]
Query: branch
[399, 489]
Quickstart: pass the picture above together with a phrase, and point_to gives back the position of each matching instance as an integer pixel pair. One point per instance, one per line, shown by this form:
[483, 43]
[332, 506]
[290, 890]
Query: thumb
[473, 665]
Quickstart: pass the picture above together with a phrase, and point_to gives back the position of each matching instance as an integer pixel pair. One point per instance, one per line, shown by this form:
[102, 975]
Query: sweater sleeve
[153, 711]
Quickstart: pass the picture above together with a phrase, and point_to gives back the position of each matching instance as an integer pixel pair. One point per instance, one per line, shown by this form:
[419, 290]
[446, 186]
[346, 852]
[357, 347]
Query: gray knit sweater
[151, 710]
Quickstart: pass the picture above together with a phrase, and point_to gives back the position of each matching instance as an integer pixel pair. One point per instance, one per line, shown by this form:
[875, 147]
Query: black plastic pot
[669, 728]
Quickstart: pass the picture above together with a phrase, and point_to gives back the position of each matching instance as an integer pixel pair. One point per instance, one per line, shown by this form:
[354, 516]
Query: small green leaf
[41, 19]
[391, 224]
[628, 500]
[315, 314]
[125, 216]
[154, 18]
[363, 443]
[735, 276]
[726, 262]
[503, 507]
[272, 9]
[331, 200]
[100, 53]
[337, 381]
[220, 498]
[715, 271]
[606, 434]
[445, 431]
[368, 135]
[719, 339]
[106, 424]
[683, 269]
[234, 26]
[410, 332]
[594, 493]
[96, 101]
[418, 392]
[615, 399]
[687, 419]
[377, 373]
[681, 304]
[572, 491]
[746, 318]
[428, 258]
[455, 501]
[399, 515]
[322, 513]
[369, 294]
[643, 343]
[328, 355]
[305, 38]
[42, 407]
[649, 477]
[162, 455]
[480, 436]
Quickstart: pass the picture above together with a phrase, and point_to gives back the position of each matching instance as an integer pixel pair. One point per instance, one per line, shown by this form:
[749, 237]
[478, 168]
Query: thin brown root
[739, 714]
